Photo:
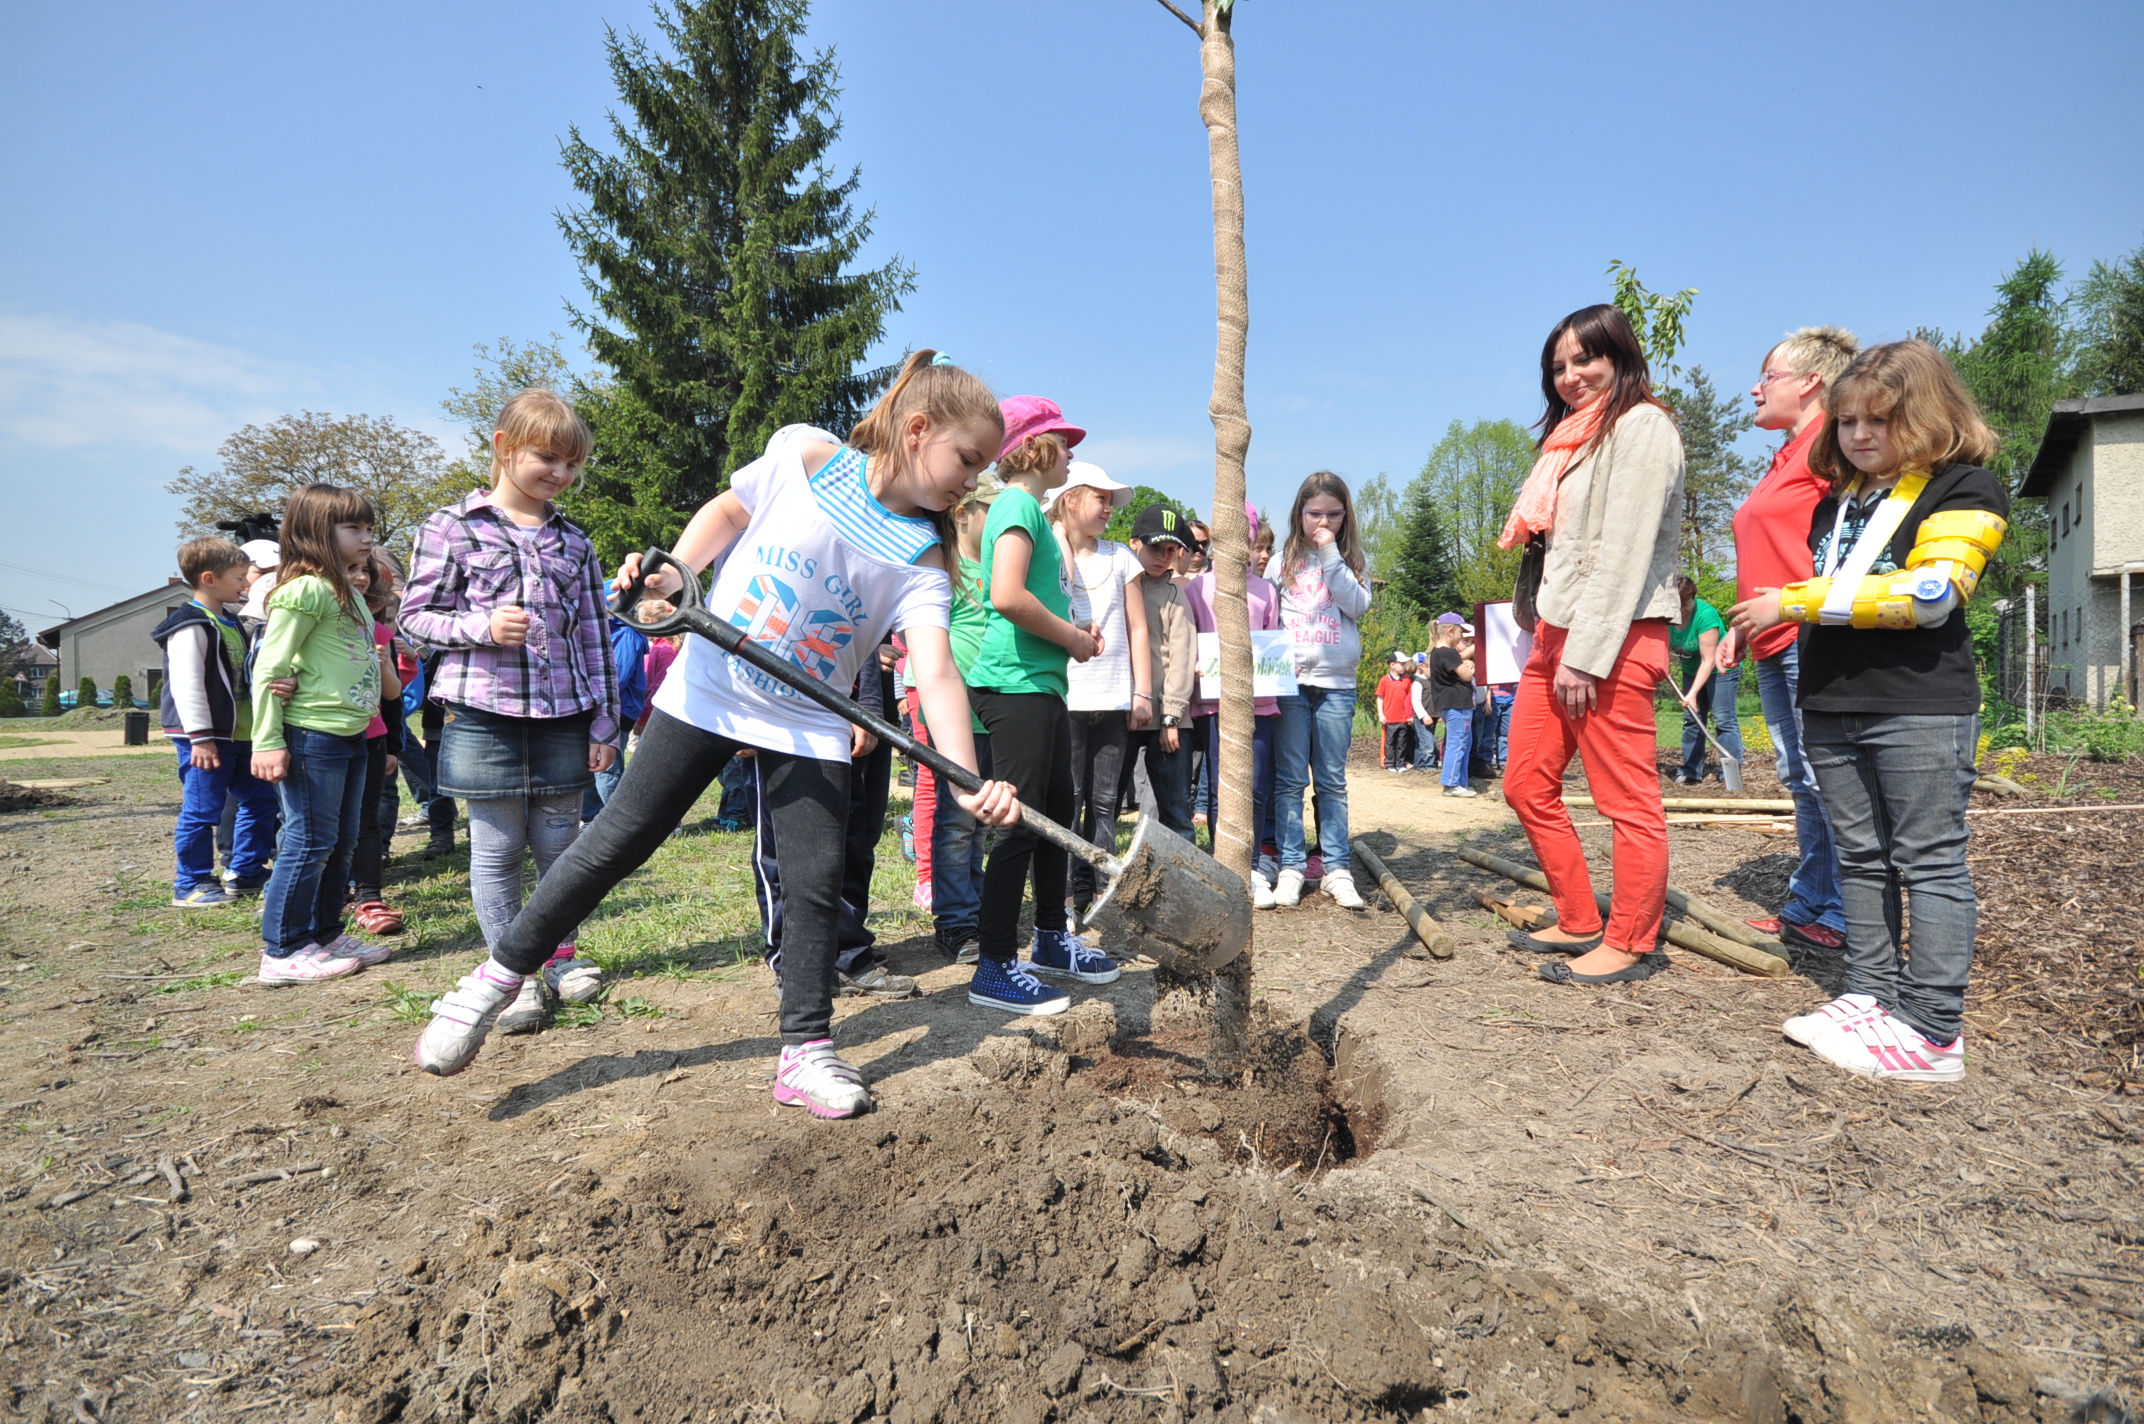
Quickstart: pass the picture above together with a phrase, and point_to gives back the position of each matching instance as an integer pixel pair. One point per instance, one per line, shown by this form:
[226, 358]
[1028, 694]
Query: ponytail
[929, 382]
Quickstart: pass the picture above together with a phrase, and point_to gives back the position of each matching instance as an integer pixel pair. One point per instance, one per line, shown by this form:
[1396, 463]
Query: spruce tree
[717, 248]
[1422, 572]
[49, 704]
[2110, 311]
[1715, 477]
[85, 693]
[122, 692]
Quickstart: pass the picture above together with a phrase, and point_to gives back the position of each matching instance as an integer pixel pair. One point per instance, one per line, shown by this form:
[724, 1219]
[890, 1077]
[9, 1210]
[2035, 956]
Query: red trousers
[1618, 742]
[923, 813]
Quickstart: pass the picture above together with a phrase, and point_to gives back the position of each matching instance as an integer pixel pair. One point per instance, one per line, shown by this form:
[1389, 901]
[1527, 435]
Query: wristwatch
[1172, 720]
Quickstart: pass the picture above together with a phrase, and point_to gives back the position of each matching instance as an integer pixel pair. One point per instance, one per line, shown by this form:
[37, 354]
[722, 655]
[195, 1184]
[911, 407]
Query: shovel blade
[1174, 903]
[1731, 774]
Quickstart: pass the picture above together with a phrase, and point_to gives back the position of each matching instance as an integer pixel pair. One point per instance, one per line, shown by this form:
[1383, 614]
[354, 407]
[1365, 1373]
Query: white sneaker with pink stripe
[1843, 1012]
[1884, 1046]
[463, 1017]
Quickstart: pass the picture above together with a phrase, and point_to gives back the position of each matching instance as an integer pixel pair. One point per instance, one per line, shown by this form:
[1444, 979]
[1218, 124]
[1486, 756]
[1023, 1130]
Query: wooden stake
[1525, 917]
[1435, 938]
[1688, 936]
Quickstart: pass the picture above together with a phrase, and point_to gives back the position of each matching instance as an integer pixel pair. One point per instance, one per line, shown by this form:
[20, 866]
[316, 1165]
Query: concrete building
[116, 640]
[2090, 470]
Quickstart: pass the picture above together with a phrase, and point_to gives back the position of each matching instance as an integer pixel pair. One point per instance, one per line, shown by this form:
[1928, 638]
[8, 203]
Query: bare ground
[1640, 1204]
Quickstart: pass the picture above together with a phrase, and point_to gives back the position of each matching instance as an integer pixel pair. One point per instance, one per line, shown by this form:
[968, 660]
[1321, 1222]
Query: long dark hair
[1601, 330]
[308, 540]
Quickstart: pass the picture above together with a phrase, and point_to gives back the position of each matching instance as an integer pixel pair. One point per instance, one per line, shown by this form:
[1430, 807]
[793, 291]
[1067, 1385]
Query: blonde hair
[540, 419]
[1348, 540]
[1034, 454]
[1450, 635]
[1934, 422]
[949, 397]
[1059, 506]
[1821, 351]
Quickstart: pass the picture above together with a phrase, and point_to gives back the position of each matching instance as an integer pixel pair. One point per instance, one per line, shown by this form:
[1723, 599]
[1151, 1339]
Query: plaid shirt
[471, 559]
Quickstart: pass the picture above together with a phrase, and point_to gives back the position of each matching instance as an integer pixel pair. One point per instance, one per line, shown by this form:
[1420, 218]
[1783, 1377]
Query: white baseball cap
[263, 553]
[1084, 473]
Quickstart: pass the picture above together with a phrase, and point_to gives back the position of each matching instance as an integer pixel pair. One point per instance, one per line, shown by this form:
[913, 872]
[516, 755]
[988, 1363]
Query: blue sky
[222, 214]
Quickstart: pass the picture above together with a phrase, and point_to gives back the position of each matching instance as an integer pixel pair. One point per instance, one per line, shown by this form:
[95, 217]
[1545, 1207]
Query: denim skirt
[484, 756]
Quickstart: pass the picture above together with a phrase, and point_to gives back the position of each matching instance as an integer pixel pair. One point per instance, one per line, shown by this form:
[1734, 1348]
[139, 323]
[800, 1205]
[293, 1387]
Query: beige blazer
[1612, 554]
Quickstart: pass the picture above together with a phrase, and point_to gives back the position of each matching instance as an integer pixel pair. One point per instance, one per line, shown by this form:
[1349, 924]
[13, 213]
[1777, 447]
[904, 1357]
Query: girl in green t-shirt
[1018, 682]
[1707, 692]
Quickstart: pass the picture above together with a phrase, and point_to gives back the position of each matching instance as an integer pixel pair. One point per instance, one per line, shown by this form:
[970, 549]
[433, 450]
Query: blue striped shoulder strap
[846, 500]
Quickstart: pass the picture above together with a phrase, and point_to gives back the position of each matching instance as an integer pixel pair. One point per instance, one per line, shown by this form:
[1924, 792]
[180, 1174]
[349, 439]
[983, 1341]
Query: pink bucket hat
[1029, 416]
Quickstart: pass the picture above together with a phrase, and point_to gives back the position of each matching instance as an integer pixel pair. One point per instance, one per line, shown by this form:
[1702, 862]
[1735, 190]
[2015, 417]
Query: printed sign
[1501, 647]
[1272, 658]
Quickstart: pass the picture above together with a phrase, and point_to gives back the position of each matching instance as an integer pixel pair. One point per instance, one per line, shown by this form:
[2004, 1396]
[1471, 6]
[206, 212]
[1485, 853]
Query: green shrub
[2112, 735]
[85, 693]
[50, 704]
[11, 700]
[122, 692]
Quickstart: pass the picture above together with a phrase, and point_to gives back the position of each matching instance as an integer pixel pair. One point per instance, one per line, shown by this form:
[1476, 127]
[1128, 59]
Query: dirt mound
[29, 798]
[1036, 1247]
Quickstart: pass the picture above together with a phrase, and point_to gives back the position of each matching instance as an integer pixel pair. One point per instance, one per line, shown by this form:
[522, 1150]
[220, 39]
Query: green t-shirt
[1683, 639]
[968, 623]
[234, 643]
[337, 663]
[1012, 659]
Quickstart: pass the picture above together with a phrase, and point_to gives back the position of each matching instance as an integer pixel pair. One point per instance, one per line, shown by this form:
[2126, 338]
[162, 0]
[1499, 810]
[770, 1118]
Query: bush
[2112, 735]
[49, 706]
[1388, 625]
[85, 692]
[122, 692]
[11, 700]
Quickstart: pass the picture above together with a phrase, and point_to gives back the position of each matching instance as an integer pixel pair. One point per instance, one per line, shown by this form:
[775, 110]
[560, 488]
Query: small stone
[1005, 1339]
[1060, 1373]
[416, 1266]
[304, 1246]
[194, 1360]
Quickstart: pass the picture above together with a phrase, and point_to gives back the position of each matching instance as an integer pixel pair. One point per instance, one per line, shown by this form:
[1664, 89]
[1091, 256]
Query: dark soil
[29, 798]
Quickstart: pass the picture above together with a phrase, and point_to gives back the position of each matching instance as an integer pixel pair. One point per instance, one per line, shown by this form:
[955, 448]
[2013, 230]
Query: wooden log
[1688, 936]
[1525, 917]
[1435, 937]
[1725, 926]
[2000, 785]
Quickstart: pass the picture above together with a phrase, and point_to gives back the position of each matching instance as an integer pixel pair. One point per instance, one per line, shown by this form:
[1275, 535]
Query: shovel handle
[1680, 694]
[692, 616]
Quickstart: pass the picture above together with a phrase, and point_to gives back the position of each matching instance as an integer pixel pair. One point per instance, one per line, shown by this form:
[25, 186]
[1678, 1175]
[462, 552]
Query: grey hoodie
[1320, 604]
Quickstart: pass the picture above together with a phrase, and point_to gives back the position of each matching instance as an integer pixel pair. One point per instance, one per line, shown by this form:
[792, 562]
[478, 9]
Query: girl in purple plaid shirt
[829, 548]
[510, 594]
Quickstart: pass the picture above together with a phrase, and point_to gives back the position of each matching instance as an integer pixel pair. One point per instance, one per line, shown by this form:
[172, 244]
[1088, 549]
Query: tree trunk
[1235, 839]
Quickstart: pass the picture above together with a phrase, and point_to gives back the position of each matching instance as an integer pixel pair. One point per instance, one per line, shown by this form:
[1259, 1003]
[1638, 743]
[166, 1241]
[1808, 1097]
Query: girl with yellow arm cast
[1890, 697]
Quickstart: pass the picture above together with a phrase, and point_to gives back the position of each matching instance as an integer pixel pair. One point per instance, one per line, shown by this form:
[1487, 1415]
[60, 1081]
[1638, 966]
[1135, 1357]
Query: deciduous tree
[1120, 523]
[1473, 474]
[401, 471]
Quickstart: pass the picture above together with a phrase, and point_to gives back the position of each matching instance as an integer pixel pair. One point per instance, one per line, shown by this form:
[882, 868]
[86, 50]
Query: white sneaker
[1882, 1045]
[349, 946]
[814, 1077]
[1261, 893]
[461, 1019]
[1461, 791]
[575, 981]
[526, 1015]
[1841, 1014]
[1340, 884]
[1288, 890]
[309, 965]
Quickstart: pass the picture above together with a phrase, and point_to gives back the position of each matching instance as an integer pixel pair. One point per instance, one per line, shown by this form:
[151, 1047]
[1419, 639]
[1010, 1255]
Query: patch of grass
[9, 743]
[206, 981]
[577, 1016]
[638, 1008]
[411, 1005]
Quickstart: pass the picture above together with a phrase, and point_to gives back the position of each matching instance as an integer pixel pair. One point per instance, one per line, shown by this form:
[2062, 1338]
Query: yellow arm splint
[1951, 550]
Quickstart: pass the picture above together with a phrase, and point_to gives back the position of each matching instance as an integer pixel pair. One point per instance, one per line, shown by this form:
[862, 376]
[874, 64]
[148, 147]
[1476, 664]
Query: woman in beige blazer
[1601, 514]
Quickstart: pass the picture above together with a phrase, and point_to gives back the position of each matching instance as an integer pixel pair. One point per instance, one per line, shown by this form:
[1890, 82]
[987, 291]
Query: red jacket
[1395, 698]
[1772, 532]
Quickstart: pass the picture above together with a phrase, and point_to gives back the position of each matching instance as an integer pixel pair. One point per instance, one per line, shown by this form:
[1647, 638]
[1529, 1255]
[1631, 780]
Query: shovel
[1165, 897]
[1730, 767]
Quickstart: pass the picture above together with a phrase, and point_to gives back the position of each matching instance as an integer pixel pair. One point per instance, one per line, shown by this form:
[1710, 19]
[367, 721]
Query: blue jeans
[1716, 703]
[593, 799]
[1499, 728]
[957, 858]
[323, 799]
[1425, 744]
[1813, 889]
[1310, 749]
[1458, 749]
[419, 774]
[1207, 731]
[202, 794]
[1897, 788]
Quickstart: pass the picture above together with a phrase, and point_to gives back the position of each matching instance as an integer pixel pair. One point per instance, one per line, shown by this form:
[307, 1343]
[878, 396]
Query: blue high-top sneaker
[1063, 955]
[1005, 985]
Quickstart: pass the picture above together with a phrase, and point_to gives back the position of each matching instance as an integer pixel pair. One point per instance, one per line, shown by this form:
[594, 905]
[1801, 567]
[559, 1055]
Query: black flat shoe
[1521, 939]
[1647, 966]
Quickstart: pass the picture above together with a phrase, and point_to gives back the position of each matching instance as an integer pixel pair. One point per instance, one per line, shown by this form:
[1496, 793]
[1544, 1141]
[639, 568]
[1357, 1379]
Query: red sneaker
[1814, 936]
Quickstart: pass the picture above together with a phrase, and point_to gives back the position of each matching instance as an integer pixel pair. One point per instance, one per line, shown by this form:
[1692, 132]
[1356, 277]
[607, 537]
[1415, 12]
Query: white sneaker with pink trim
[462, 1018]
[349, 946]
[309, 965]
[1885, 1046]
[1843, 1012]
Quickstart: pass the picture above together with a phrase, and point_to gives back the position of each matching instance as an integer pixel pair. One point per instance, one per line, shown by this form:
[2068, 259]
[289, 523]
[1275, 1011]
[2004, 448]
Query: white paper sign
[1501, 647]
[1272, 659]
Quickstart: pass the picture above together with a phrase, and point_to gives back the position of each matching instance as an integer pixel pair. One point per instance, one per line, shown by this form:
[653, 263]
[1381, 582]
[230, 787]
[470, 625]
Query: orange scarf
[1535, 510]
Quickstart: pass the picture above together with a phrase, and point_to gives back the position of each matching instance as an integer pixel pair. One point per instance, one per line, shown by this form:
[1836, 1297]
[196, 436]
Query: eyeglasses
[1770, 376]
